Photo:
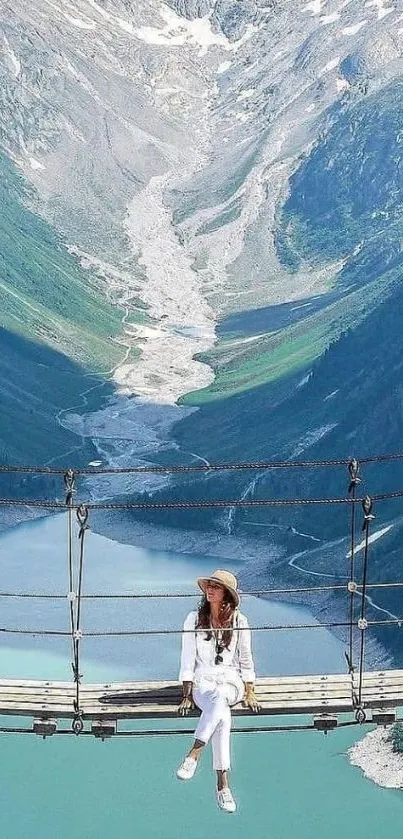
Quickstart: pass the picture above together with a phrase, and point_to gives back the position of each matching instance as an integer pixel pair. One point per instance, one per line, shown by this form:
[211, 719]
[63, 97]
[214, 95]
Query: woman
[216, 672]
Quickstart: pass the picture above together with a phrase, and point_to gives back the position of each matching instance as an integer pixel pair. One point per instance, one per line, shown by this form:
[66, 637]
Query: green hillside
[242, 366]
[45, 293]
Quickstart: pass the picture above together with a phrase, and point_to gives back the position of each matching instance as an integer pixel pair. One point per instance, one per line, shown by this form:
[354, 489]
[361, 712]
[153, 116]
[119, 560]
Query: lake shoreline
[259, 560]
[375, 756]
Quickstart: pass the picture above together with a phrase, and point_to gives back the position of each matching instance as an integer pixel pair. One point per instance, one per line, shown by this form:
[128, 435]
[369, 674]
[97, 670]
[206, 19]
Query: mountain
[161, 141]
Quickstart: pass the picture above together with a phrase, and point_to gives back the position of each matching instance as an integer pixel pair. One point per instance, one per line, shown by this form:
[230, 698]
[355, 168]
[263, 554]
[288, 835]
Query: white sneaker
[225, 800]
[187, 769]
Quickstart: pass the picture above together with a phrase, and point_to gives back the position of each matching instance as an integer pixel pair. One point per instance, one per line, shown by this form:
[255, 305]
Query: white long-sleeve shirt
[198, 655]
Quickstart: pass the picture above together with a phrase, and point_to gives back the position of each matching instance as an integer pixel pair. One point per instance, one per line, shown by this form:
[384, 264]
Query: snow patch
[81, 24]
[223, 67]
[246, 94]
[330, 395]
[301, 306]
[330, 66]
[311, 438]
[352, 30]
[342, 84]
[315, 7]
[15, 63]
[179, 32]
[381, 7]
[330, 18]
[305, 380]
[35, 163]
[372, 538]
[125, 25]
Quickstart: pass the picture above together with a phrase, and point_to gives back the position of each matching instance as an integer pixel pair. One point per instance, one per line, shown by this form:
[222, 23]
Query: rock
[233, 16]
[191, 9]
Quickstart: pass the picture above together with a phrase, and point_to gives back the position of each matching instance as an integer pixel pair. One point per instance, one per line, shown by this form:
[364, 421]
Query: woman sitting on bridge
[216, 672]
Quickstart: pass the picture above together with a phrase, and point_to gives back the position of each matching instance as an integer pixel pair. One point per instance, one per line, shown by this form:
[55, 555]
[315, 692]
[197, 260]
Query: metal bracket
[383, 716]
[367, 508]
[44, 726]
[77, 725]
[360, 715]
[103, 728]
[69, 479]
[325, 722]
[353, 468]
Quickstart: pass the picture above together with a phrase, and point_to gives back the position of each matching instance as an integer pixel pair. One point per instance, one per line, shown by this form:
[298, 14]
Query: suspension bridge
[329, 700]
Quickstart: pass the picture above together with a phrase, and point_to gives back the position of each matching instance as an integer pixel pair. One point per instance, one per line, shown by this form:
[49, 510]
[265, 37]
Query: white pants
[214, 700]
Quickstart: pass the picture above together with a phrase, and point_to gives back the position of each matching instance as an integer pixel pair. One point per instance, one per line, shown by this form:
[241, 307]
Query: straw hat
[226, 579]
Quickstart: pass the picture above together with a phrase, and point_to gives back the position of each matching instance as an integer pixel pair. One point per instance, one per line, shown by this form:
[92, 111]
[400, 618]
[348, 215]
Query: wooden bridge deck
[278, 695]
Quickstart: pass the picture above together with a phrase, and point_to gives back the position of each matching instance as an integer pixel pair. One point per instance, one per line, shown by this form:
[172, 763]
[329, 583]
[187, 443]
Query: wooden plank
[32, 710]
[376, 690]
[13, 691]
[39, 697]
[68, 694]
[383, 697]
[157, 685]
[383, 702]
[261, 690]
[266, 680]
[381, 680]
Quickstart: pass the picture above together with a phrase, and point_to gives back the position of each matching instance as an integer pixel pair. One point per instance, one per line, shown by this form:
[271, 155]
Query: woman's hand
[250, 701]
[186, 705]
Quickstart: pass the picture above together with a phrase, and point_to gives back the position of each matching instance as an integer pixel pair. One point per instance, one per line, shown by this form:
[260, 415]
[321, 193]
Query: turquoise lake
[296, 785]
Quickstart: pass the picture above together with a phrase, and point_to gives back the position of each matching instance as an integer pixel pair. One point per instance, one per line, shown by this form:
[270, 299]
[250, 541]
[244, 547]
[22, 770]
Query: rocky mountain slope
[160, 139]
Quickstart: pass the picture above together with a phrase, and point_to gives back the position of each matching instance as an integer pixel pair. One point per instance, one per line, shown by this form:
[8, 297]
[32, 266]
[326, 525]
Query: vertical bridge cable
[82, 518]
[362, 622]
[353, 468]
[74, 594]
[69, 483]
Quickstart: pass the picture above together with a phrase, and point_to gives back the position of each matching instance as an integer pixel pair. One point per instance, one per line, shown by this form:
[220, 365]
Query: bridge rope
[184, 505]
[175, 595]
[116, 633]
[198, 467]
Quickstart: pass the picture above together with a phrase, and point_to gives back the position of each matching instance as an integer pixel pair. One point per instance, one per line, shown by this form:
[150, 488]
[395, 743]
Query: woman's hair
[226, 617]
